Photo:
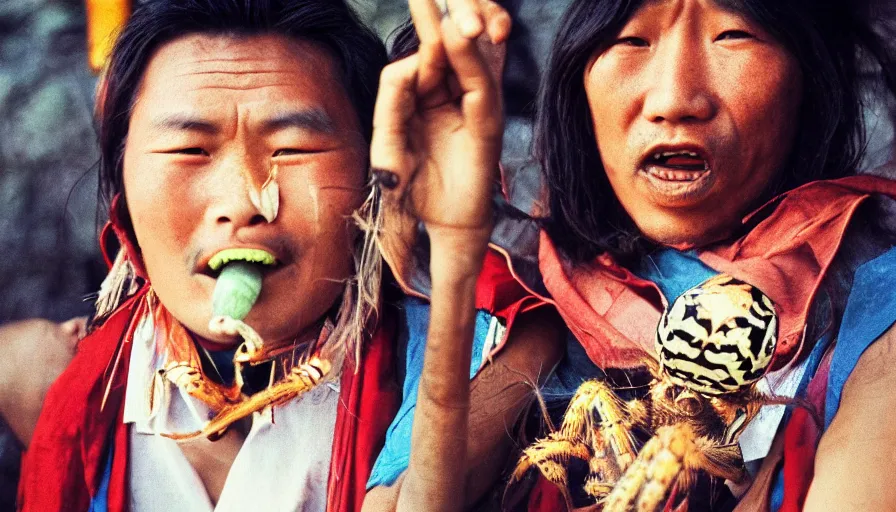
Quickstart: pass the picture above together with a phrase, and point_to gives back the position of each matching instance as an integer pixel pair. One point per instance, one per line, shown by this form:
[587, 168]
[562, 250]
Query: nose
[231, 203]
[680, 90]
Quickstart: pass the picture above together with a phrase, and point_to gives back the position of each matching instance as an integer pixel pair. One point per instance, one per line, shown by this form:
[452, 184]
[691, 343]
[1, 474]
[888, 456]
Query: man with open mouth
[710, 246]
[245, 348]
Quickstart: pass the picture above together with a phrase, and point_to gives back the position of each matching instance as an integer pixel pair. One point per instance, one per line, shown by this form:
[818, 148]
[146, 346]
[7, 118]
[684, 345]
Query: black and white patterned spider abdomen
[717, 337]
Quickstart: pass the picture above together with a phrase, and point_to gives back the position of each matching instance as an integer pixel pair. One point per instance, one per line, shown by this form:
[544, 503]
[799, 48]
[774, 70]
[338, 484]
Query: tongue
[685, 163]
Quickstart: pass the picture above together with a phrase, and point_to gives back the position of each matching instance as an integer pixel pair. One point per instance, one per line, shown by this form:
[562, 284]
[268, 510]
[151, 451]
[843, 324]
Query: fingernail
[384, 179]
[471, 26]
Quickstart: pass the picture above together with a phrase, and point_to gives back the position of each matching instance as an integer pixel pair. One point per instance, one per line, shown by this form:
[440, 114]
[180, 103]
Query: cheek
[160, 207]
[317, 204]
[609, 89]
[766, 104]
[599, 96]
[164, 209]
[328, 226]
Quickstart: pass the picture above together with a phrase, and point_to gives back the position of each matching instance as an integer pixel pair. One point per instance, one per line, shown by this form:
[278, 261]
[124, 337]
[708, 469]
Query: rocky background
[49, 260]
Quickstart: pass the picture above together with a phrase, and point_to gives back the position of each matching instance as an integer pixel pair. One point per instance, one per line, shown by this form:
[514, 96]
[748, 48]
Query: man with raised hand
[243, 349]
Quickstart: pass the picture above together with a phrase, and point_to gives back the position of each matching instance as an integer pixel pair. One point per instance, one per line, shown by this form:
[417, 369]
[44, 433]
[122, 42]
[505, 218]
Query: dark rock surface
[47, 191]
[47, 152]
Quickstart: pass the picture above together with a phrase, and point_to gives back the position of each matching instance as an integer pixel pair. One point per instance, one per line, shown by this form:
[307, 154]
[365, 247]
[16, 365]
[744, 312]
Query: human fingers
[395, 106]
[497, 29]
[497, 22]
[480, 105]
[467, 16]
[426, 17]
[475, 17]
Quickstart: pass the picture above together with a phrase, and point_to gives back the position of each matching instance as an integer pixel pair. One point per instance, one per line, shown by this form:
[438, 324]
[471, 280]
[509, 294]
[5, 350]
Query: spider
[713, 344]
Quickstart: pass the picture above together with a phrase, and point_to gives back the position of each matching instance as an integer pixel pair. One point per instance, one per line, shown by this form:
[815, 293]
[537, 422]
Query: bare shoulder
[855, 458]
[34, 352]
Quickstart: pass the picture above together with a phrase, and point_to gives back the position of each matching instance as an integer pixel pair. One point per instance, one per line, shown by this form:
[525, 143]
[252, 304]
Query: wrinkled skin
[690, 75]
[213, 115]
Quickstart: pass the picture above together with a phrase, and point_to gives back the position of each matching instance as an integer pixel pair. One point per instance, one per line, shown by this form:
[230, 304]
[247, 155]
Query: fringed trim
[361, 301]
[120, 284]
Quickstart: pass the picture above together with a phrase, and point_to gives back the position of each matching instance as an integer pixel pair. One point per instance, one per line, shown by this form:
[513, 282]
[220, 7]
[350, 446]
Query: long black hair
[331, 24]
[832, 40]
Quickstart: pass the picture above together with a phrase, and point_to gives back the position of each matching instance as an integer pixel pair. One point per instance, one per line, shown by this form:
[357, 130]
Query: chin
[276, 326]
[681, 234]
[224, 341]
[200, 330]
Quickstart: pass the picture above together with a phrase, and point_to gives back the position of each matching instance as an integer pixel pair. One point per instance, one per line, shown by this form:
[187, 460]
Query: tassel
[119, 284]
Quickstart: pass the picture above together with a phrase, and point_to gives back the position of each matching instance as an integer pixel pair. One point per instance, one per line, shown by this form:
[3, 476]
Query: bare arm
[498, 394]
[34, 353]
[857, 454]
[437, 133]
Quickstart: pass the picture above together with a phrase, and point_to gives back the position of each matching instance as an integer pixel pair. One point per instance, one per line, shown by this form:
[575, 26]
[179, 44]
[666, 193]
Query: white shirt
[283, 465]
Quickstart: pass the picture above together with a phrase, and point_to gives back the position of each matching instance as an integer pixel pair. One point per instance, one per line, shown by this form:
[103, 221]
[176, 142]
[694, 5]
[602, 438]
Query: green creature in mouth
[239, 283]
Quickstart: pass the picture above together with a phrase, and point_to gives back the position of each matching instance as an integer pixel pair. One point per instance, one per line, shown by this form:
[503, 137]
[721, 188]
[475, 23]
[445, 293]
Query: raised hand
[438, 125]
[435, 149]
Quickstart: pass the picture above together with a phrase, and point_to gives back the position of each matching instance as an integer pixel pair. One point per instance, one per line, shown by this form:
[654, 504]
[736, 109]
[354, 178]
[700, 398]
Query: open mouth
[257, 256]
[678, 176]
[677, 165]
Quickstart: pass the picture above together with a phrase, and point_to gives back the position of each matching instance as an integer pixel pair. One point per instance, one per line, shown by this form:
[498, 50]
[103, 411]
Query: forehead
[736, 7]
[728, 5]
[220, 73]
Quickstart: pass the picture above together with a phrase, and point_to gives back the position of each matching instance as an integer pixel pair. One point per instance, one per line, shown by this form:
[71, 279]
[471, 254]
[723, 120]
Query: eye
[289, 151]
[734, 34]
[637, 42]
[190, 151]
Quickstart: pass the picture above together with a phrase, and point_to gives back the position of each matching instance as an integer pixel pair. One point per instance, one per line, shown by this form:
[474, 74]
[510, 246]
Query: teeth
[659, 156]
[248, 255]
[676, 153]
[680, 176]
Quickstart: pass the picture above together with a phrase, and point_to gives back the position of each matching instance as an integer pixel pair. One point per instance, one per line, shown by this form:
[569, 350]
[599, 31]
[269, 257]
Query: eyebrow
[735, 6]
[314, 119]
[185, 122]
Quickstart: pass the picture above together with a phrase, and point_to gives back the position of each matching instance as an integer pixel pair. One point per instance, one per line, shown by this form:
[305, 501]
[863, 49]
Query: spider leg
[614, 427]
[603, 471]
[647, 482]
[725, 461]
[552, 456]
[607, 430]
[596, 429]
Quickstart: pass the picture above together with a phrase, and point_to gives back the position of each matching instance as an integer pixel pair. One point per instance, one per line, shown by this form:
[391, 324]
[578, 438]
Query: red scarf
[786, 254]
[64, 464]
